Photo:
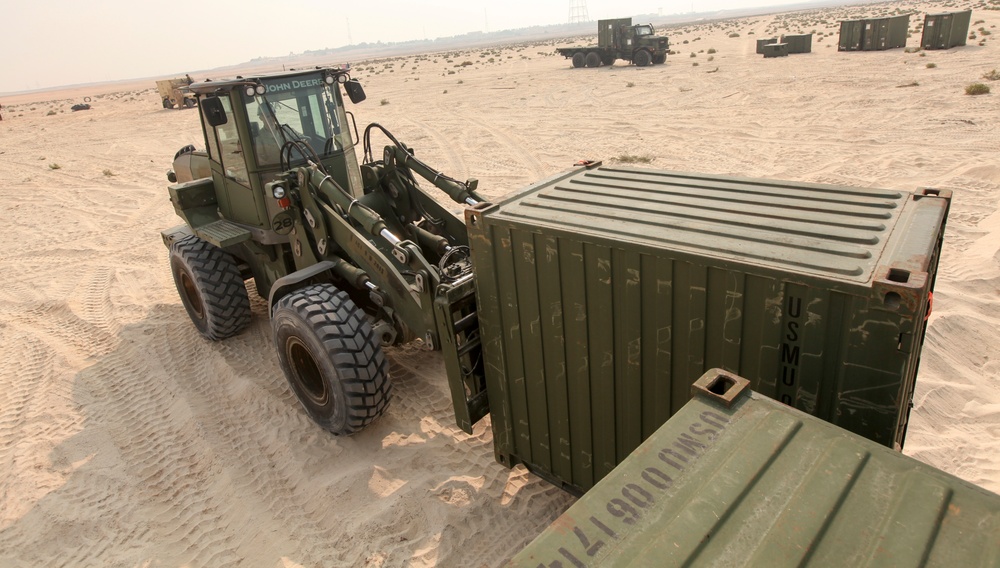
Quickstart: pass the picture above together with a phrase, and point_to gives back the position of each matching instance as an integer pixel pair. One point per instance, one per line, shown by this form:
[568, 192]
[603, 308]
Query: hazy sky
[61, 42]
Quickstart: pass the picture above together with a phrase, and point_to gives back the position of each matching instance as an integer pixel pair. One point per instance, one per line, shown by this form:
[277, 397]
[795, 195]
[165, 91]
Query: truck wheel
[593, 59]
[189, 103]
[659, 59]
[331, 357]
[211, 287]
[167, 103]
[642, 58]
[608, 60]
[579, 60]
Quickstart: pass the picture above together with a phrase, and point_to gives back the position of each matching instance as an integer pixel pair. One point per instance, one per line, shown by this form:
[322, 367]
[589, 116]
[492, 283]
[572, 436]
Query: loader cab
[256, 128]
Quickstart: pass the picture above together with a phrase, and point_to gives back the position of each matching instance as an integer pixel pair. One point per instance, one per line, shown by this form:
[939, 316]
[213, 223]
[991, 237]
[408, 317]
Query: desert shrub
[633, 159]
[931, 65]
[992, 75]
[108, 173]
[694, 64]
[734, 34]
[630, 84]
[711, 50]
[55, 167]
[50, 113]
[384, 102]
[977, 89]
[711, 58]
[466, 63]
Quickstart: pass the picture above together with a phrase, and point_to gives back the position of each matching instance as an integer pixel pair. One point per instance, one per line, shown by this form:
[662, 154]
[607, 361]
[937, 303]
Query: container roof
[834, 231]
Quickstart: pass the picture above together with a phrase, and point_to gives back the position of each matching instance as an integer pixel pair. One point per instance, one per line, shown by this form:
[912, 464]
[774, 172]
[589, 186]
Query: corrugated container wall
[776, 50]
[604, 292]
[798, 43]
[947, 30]
[874, 34]
[734, 479]
[850, 35]
[762, 42]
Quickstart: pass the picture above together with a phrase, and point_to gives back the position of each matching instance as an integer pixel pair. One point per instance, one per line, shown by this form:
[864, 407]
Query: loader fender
[286, 284]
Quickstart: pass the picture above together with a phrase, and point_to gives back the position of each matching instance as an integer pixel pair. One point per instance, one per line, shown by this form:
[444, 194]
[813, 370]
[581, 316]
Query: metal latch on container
[720, 386]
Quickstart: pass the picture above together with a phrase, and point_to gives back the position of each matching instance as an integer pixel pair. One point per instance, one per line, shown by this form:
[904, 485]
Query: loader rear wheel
[642, 58]
[593, 59]
[331, 357]
[579, 60]
[211, 287]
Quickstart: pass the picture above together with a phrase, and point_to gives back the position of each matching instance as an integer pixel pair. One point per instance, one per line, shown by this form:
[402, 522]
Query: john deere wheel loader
[349, 258]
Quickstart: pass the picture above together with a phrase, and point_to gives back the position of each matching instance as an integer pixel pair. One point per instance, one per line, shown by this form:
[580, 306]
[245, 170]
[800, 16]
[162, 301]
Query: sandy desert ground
[127, 440]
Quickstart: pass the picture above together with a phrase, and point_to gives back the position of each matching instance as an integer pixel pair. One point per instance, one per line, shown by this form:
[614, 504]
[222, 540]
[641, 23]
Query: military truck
[173, 93]
[575, 313]
[619, 39]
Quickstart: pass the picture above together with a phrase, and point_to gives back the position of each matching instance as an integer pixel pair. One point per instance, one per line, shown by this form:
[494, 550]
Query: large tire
[167, 103]
[211, 287]
[189, 102]
[593, 59]
[579, 59]
[331, 357]
[608, 59]
[642, 58]
[659, 59]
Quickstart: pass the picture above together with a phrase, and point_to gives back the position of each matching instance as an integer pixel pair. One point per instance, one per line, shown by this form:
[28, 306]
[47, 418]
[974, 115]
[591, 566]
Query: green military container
[874, 34]
[762, 42]
[606, 30]
[736, 479]
[605, 291]
[801, 43]
[947, 30]
[776, 50]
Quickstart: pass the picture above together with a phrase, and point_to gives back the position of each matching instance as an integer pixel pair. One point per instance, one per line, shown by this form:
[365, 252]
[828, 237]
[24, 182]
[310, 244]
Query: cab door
[237, 200]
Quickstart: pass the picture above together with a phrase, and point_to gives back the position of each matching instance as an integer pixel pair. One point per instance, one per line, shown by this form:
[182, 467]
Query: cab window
[230, 148]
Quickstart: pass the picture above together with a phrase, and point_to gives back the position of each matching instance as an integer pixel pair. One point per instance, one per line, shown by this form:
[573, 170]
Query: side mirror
[215, 113]
[355, 91]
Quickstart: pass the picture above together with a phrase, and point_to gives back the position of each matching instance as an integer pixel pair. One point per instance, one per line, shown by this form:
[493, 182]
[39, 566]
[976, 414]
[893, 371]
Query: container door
[946, 32]
[869, 35]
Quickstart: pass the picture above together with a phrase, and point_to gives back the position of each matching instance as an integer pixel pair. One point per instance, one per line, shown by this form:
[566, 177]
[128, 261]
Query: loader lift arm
[402, 247]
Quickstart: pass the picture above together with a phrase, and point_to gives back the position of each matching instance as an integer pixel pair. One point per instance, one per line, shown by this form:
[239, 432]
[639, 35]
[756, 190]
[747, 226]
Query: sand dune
[127, 440]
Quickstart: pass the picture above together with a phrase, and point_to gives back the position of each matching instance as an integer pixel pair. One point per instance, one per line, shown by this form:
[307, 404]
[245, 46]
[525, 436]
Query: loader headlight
[278, 191]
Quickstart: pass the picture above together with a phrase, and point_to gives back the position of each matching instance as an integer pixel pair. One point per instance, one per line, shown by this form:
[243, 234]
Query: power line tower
[578, 11]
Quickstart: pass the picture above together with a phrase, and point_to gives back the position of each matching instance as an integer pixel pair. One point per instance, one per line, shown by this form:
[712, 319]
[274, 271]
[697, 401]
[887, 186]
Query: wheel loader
[350, 258]
[575, 312]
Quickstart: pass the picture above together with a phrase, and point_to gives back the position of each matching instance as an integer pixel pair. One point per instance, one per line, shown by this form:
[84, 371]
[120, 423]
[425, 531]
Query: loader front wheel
[331, 357]
[579, 60]
[210, 286]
